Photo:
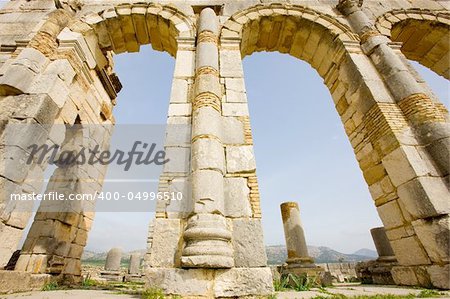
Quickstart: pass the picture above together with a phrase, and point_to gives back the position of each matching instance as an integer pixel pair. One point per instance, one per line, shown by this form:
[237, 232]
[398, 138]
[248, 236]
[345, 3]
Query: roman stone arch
[72, 77]
[424, 35]
[379, 126]
[124, 28]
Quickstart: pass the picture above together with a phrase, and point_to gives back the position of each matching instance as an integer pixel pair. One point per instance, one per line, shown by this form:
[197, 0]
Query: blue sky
[302, 152]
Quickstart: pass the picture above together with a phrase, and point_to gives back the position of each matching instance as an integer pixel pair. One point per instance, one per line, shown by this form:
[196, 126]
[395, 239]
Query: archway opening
[303, 155]
[141, 106]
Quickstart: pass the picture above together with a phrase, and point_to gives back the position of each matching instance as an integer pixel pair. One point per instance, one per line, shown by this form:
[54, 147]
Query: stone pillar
[298, 262]
[57, 237]
[113, 259]
[112, 265]
[135, 264]
[384, 249]
[417, 162]
[206, 235]
[294, 234]
[134, 268]
[27, 119]
[194, 253]
[379, 270]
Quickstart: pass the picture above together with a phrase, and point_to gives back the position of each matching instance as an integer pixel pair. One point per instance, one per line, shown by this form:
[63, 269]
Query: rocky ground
[337, 292]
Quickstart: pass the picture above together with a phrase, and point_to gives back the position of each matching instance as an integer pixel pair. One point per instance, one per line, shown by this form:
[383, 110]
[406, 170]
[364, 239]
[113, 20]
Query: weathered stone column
[135, 263]
[378, 271]
[112, 265]
[297, 249]
[134, 268]
[113, 259]
[384, 249]
[27, 120]
[207, 236]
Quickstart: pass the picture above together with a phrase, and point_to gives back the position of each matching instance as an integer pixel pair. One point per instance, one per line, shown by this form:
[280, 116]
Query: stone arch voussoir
[259, 29]
[424, 34]
[126, 27]
[376, 126]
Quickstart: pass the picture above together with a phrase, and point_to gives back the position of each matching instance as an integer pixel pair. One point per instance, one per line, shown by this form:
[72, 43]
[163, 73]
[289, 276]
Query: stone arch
[379, 131]
[86, 44]
[424, 34]
[126, 27]
[244, 24]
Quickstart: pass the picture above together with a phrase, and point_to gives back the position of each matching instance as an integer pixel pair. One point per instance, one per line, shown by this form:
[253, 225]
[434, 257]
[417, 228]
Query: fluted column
[429, 118]
[207, 236]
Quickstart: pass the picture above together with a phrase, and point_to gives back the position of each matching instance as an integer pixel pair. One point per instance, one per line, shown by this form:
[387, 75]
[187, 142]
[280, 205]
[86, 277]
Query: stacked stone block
[379, 270]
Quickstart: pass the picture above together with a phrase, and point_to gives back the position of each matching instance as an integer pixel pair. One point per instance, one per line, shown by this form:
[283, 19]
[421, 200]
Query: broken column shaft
[295, 236]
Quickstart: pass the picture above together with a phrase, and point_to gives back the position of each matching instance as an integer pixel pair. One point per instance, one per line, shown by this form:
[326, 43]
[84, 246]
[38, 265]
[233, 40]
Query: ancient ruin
[57, 67]
[379, 270]
[298, 262]
[134, 268]
[112, 265]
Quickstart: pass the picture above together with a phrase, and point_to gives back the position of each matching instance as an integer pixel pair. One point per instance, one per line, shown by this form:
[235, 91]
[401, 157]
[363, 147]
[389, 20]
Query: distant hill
[276, 255]
[366, 252]
[99, 258]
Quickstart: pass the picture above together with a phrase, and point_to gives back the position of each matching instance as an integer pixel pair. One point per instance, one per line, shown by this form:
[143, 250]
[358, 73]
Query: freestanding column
[134, 268]
[112, 265]
[135, 263]
[113, 259]
[298, 255]
[207, 237]
[384, 249]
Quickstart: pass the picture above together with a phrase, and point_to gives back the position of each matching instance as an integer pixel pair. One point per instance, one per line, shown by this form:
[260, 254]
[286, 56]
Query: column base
[133, 278]
[306, 270]
[312, 271]
[302, 262]
[207, 261]
[376, 272]
[208, 243]
[211, 283]
[111, 275]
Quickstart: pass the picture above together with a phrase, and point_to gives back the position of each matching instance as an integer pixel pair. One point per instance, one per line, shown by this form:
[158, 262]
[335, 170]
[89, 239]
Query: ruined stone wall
[397, 127]
[49, 80]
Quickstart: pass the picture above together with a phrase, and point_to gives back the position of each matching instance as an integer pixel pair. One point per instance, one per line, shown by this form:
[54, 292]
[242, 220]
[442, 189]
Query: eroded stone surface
[249, 250]
[243, 282]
